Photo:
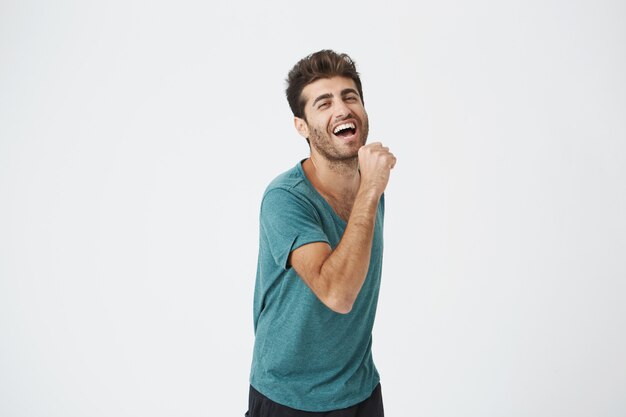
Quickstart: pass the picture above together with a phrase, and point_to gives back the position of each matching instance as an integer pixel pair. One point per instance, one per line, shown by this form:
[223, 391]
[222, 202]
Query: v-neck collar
[317, 193]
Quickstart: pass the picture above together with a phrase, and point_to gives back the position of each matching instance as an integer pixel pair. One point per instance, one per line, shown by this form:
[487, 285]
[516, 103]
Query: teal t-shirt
[307, 356]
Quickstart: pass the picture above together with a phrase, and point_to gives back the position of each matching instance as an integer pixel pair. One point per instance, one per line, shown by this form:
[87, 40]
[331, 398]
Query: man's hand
[375, 163]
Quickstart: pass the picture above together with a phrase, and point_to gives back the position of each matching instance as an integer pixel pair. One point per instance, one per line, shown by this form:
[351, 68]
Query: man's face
[336, 122]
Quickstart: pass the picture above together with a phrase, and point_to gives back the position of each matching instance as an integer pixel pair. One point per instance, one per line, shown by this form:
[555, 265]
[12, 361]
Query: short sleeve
[288, 222]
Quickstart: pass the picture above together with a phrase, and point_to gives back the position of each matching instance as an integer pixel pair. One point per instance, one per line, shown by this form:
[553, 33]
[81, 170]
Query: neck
[337, 179]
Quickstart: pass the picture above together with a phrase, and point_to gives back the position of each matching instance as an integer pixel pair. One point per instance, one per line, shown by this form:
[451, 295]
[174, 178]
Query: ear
[301, 127]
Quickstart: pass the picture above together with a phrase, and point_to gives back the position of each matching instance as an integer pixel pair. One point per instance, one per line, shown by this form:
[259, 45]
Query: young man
[320, 255]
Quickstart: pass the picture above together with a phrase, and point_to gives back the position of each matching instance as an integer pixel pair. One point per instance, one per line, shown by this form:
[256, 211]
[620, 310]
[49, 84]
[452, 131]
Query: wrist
[369, 194]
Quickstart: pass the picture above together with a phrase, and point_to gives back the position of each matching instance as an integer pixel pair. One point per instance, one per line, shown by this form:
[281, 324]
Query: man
[320, 255]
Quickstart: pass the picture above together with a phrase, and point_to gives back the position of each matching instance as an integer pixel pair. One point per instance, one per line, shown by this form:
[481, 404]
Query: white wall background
[136, 138]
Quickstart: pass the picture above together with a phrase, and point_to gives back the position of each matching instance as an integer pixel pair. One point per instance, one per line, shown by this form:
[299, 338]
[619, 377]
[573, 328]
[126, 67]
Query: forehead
[334, 86]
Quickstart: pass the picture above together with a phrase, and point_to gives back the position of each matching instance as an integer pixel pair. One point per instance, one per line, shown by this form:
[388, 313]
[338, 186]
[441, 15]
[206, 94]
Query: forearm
[344, 271]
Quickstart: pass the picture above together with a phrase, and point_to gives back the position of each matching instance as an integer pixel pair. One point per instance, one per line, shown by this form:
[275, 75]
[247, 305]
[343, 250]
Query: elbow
[343, 310]
[340, 306]
[337, 297]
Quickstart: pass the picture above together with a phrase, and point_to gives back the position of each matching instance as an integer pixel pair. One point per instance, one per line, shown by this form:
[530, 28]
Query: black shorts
[261, 406]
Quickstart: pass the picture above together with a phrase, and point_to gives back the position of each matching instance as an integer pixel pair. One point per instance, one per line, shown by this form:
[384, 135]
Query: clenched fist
[375, 163]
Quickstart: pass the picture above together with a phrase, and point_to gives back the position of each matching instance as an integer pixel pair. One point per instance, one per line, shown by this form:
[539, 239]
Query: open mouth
[345, 130]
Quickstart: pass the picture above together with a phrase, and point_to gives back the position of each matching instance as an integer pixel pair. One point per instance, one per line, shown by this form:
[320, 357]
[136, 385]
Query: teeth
[344, 126]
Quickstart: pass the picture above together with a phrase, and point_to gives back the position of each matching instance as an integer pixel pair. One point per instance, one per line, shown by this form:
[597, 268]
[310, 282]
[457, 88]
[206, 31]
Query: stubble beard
[323, 143]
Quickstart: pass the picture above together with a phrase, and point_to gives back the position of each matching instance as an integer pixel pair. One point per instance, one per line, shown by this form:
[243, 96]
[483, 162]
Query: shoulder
[289, 186]
[290, 179]
[289, 206]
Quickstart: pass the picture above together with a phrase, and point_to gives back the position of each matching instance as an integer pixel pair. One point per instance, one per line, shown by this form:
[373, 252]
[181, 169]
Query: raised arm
[336, 276]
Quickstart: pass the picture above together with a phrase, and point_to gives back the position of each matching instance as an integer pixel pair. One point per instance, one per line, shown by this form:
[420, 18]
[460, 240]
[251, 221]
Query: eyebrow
[344, 93]
[322, 97]
[347, 91]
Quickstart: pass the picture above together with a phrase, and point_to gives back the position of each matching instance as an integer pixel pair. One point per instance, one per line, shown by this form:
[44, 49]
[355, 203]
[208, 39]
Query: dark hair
[322, 64]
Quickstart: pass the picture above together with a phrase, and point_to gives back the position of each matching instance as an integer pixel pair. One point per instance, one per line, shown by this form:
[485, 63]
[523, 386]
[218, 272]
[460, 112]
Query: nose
[341, 111]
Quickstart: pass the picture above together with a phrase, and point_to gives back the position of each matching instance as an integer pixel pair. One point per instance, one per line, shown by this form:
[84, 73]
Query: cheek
[366, 127]
[315, 133]
[322, 126]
